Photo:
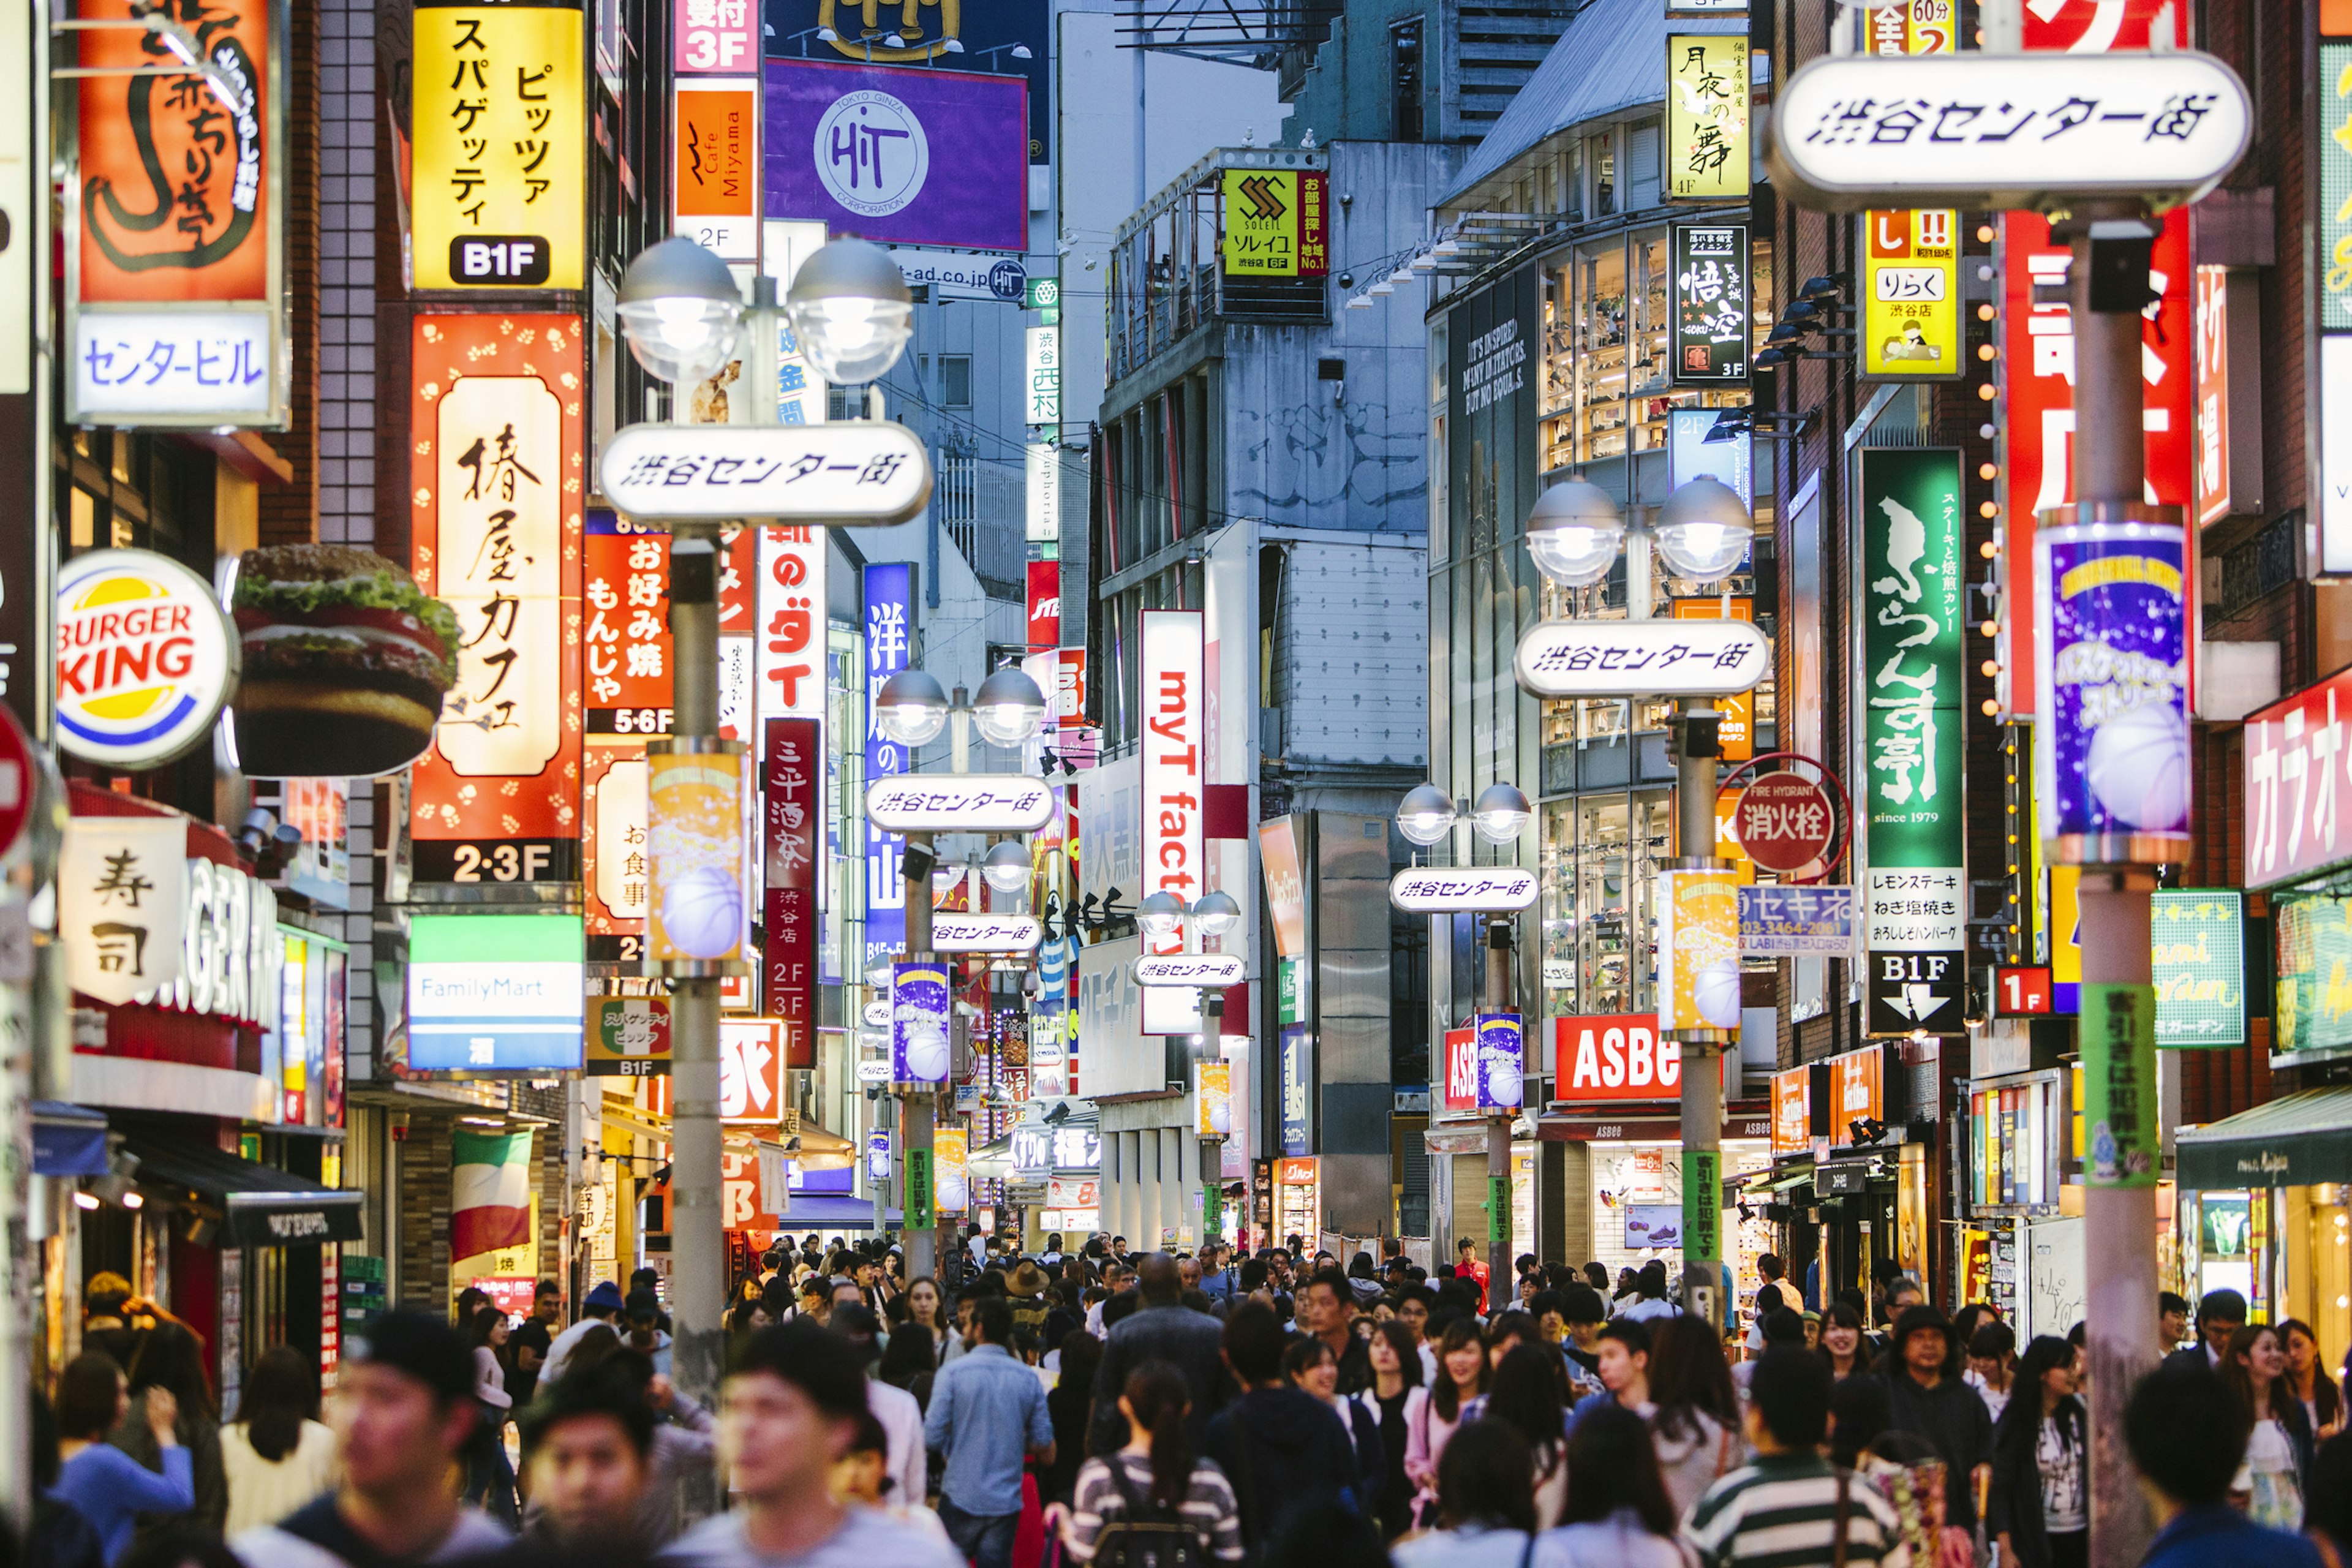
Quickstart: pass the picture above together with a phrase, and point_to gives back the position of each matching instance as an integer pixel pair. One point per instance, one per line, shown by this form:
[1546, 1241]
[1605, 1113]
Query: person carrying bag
[1151, 1504]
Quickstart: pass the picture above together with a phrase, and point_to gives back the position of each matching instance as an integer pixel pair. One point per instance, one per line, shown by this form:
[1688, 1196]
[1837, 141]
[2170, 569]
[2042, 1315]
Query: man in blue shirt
[2187, 1434]
[987, 1411]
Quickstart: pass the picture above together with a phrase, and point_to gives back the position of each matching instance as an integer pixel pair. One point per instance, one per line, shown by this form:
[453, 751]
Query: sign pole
[921, 1104]
[1499, 1275]
[698, 1243]
[1701, 1086]
[2118, 1013]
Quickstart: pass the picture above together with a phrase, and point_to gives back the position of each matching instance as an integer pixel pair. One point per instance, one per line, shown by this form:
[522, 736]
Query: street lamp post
[1162, 916]
[1701, 534]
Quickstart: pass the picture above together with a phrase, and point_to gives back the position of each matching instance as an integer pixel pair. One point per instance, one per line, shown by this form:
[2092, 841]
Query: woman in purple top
[108, 1485]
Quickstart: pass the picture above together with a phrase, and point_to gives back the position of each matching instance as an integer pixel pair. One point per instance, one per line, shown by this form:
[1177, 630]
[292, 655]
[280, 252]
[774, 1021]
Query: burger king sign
[145, 658]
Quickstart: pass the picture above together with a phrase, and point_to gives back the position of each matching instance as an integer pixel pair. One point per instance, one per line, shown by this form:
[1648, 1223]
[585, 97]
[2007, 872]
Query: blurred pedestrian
[1924, 1396]
[987, 1414]
[166, 1353]
[2307, 1380]
[2186, 1429]
[1841, 1344]
[1530, 1396]
[489, 1474]
[2040, 1506]
[1992, 1361]
[1485, 1504]
[2220, 1315]
[684, 1441]
[1617, 1513]
[587, 1451]
[1309, 1365]
[529, 1344]
[277, 1453]
[1396, 1393]
[1461, 1374]
[602, 1306]
[1161, 1328]
[105, 1485]
[863, 1476]
[1281, 1448]
[403, 1414]
[1070, 1405]
[1697, 1422]
[900, 1414]
[1789, 1507]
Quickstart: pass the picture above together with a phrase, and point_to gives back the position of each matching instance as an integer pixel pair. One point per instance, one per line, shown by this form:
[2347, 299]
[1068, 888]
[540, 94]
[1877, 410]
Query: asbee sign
[1614, 1056]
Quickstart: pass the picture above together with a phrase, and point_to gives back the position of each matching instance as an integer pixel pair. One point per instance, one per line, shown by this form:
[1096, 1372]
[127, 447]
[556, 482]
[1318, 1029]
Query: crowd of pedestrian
[1099, 1406]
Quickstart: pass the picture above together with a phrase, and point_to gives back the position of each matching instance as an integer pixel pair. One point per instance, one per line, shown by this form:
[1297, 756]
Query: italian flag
[491, 1206]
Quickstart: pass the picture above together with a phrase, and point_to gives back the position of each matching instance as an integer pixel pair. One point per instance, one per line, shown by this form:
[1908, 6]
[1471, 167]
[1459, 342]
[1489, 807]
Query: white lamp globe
[1007, 866]
[912, 708]
[851, 310]
[1161, 914]
[1216, 913]
[1426, 815]
[681, 311]
[1574, 533]
[1703, 532]
[1008, 708]
[1500, 812]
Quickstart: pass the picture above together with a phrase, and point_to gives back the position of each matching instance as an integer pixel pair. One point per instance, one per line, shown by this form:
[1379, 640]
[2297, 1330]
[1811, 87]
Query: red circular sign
[1785, 822]
[20, 781]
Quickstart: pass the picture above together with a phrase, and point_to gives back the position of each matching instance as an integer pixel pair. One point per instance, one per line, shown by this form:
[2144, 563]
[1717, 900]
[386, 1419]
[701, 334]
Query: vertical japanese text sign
[1173, 706]
[1911, 673]
[890, 648]
[174, 239]
[790, 808]
[1707, 117]
[495, 475]
[715, 188]
[1711, 330]
[1910, 271]
[500, 167]
[715, 36]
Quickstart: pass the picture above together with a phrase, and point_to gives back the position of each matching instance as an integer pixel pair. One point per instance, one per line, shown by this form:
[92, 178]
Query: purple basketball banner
[911, 157]
[1502, 1062]
[2112, 758]
[918, 1023]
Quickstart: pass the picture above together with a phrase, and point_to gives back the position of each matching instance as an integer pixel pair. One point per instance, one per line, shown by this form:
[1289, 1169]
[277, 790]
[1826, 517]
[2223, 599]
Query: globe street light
[1704, 530]
[1007, 866]
[851, 310]
[1008, 707]
[1574, 533]
[912, 708]
[681, 311]
[1500, 812]
[1216, 913]
[1160, 914]
[1426, 815]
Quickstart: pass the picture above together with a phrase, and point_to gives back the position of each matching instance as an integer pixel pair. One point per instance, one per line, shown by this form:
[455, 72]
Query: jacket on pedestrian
[1282, 1449]
[2222, 1537]
[1951, 1417]
[2015, 1507]
[1188, 1340]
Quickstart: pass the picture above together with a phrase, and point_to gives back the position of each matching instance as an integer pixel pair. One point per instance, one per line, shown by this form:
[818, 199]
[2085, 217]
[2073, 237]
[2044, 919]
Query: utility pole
[698, 1245]
[1498, 1128]
[920, 1103]
[1702, 1097]
[2107, 286]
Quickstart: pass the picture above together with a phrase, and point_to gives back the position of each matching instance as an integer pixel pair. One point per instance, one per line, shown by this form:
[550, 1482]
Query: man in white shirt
[603, 1306]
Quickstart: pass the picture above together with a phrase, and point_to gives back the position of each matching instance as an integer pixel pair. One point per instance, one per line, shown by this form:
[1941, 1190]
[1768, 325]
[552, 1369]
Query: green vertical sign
[2117, 1032]
[2198, 956]
[1498, 1217]
[1702, 1204]
[1287, 987]
[1914, 689]
[918, 1203]
[1213, 1202]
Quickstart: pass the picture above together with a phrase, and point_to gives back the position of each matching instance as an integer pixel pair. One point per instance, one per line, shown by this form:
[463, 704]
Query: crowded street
[1360, 784]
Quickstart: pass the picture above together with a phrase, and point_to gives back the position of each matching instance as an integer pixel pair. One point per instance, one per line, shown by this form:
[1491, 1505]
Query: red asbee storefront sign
[1614, 1055]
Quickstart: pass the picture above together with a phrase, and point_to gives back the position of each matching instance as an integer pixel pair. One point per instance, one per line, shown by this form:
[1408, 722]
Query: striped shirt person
[1783, 1509]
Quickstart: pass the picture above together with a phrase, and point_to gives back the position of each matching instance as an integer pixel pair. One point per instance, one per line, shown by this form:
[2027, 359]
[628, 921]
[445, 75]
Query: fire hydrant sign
[2030, 131]
[863, 471]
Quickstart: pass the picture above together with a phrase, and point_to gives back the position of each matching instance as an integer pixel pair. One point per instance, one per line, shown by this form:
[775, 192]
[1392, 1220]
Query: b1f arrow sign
[1481, 890]
[2030, 131]
[984, 933]
[861, 471]
[1201, 971]
[1642, 659]
[959, 802]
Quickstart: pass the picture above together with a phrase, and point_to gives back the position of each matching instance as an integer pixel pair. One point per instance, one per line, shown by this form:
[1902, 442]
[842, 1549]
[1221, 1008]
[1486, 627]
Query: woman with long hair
[1486, 1504]
[2279, 1447]
[1309, 1366]
[926, 1312]
[1155, 1480]
[910, 1362]
[278, 1454]
[489, 1474]
[1617, 1513]
[1843, 1345]
[1697, 1427]
[108, 1485]
[1461, 1378]
[1069, 1404]
[1530, 1397]
[2308, 1382]
[166, 1353]
[2040, 1463]
[1396, 1384]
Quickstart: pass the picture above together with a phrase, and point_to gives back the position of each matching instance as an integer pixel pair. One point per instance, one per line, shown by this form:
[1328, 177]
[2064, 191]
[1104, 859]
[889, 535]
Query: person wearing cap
[1926, 1396]
[403, 1412]
[1025, 1287]
[789, 1413]
[644, 1332]
[603, 1306]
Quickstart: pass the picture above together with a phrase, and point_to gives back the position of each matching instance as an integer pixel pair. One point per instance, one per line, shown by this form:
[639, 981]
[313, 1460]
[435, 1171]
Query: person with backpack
[1151, 1500]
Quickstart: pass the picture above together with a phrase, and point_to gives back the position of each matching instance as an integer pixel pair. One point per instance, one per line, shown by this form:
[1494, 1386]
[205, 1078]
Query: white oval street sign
[2028, 131]
[857, 471]
[1642, 659]
[959, 802]
[877, 1014]
[874, 1072]
[1199, 971]
[1456, 889]
[984, 933]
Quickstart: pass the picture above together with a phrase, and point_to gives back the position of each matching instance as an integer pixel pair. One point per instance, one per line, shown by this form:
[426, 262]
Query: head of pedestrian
[547, 1304]
[587, 1444]
[1904, 1292]
[1651, 1282]
[1624, 1353]
[991, 1322]
[2171, 1320]
[1582, 1312]
[1413, 1305]
[102, 1299]
[863, 1475]
[1788, 1402]
[1161, 1280]
[1613, 1464]
[604, 1302]
[2186, 1430]
[403, 1407]
[2220, 1314]
[858, 1327]
[1485, 1481]
[1508, 1331]
[1922, 1343]
[1188, 1274]
[787, 1414]
[1251, 1346]
[643, 1313]
[1782, 1326]
[1308, 1366]
[1326, 1304]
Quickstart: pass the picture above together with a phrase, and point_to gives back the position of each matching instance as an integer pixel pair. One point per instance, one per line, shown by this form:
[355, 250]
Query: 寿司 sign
[145, 658]
[2028, 131]
[1615, 1055]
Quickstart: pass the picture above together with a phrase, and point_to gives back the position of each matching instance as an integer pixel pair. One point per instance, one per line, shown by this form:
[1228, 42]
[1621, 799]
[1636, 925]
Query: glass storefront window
[1601, 152]
[1600, 853]
[1601, 349]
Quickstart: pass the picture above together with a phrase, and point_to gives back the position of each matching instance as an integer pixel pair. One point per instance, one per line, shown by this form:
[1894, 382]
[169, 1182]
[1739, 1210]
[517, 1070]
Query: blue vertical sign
[889, 636]
[1296, 1087]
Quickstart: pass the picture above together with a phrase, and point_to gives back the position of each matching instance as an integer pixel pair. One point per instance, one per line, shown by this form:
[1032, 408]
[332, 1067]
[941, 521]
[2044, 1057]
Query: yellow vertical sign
[1707, 117]
[499, 176]
[1911, 295]
[1275, 224]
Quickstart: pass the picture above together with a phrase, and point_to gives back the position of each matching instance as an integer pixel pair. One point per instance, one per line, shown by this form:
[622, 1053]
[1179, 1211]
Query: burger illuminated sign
[145, 658]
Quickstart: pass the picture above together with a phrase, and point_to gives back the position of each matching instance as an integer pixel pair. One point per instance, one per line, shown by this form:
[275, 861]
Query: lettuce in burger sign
[144, 659]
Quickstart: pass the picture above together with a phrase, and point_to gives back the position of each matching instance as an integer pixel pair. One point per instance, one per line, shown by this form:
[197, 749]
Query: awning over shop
[2292, 1142]
[260, 1205]
[68, 1140]
[830, 1211]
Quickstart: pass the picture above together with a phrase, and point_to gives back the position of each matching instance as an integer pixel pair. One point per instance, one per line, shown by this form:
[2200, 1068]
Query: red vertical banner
[1044, 604]
[788, 774]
